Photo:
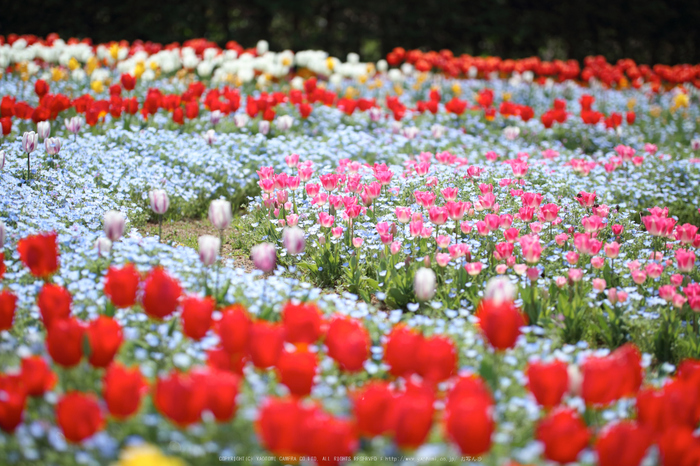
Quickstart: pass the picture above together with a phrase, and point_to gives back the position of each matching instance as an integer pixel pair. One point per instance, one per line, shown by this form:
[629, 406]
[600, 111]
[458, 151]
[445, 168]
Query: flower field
[448, 258]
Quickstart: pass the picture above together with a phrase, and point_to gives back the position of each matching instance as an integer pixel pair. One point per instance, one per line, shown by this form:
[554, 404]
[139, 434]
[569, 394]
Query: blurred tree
[653, 31]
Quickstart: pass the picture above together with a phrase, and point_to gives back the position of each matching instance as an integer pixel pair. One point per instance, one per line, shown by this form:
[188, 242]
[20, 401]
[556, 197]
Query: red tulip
[179, 116]
[631, 374]
[564, 435]
[6, 123]
[400, 350]
[54, 303]
[181, 398]
[548, 382]
[104, 336]
[302, 322]
[219, 358]
[327, 438]
[222, 390]
[234, 328]
[196, 316]
[348, 343]
[128, 81]
[265, 343]
[41, 88]
[601, 380]
[39, 253]
[12, 402]
[278, 425]
[121, 285]
[160, 294]
[673, 405]
[370, 406]
[436, 358]
[79, 416]
[36, 375]
[678, 446]
[410, 416]
[469, 417]
[8, 304]
[622, 444]
[123, 389]
[500, 322]
[296, 371]
[64, 341]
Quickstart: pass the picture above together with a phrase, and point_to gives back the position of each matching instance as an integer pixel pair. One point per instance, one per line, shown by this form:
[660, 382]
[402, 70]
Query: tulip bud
[53, 145]
[103, 246]
[29, 141]
[208, 249]
[159, 201]
[293, 240]
[499, 289]
[264, 256]
[210, 137]
[424, 284]
[264, 127]
[220, 214]
[43, 129]
[73, 124]
[114, 224]
[215, 117]
[240, 120]
[2, 234]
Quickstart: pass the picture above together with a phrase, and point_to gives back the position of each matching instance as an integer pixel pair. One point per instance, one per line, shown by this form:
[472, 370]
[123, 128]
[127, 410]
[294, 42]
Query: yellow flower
[97, 86]
[73, 64]
[681, 100]
[92, 65]
[57, 74]
[506, 96]
[421, 78]
[139, 69]
[655, 111]
[456, 89]
[146, 455]
[114, 51]
[350, 92]
[398, 89]
[330, 63]
[362, 78]
[631, 104]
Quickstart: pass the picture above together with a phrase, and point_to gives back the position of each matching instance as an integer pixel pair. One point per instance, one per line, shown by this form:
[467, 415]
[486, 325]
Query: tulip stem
[29, 170]
[160, 228]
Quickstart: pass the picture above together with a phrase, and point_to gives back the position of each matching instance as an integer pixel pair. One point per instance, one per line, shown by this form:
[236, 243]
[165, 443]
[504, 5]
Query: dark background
[648, 31]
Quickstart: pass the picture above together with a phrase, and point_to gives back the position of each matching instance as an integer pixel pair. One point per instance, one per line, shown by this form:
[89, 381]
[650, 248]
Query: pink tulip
[264, 256]
[575, 275]
[357, 242]
[403, 214]
[325, 220]
[549, 212]
[473, 268]
[654, 270]
[438, 215]
[612, 250]
[292, 160]
[312, 189]
[639, 277]
[561, 238]
[442, 259]
[531, 248]
[395, 247]
[599, 284]
[598, 262]
[572, 257]
[450, 194]
[465, 227]
[685, 260]
[667, 292]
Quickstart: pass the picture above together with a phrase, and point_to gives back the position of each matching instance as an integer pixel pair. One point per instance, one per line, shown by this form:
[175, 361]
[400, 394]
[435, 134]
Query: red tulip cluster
[623, 73]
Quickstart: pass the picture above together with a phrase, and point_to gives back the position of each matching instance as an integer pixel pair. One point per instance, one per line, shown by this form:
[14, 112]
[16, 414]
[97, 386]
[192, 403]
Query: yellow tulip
[506, 96]
[146, 455]
[456, 89]
[631, 104]
[97, 86]
[73, 64]
[681, 100]
[139, 69]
